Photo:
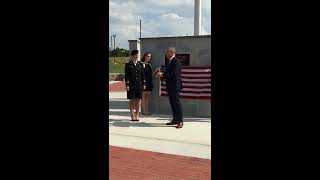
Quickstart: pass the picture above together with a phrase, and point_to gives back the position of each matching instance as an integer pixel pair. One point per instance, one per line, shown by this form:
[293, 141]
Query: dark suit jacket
[172, 75]
[134, 75]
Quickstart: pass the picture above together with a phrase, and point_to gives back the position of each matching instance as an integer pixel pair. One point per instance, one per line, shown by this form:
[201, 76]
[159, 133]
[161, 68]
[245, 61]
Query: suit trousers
[176, 106]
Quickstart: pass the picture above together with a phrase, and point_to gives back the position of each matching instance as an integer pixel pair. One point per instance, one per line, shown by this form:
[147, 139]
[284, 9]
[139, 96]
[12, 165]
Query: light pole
[140, 29]
[197, 17]
[111, 44]
[114, 45]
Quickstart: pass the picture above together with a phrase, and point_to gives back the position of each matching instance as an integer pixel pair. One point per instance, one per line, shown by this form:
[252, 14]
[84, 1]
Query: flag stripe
[195, 80]
[200, 72]
[195, 70]
[195, 77]
[192, 91]
[196, 83]
[196, 67]
[190, 87]
[203, 82]
[197, 87]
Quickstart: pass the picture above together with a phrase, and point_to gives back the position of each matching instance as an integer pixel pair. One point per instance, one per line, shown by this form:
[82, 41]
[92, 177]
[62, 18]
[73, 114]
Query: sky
[159, 18]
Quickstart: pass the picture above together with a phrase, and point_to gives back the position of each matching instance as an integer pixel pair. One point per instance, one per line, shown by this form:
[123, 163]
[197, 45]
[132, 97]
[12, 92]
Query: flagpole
[159, 83]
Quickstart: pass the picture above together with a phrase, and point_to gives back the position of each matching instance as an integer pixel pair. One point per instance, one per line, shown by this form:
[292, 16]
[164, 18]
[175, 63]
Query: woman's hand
[156, 71]
[159, 75]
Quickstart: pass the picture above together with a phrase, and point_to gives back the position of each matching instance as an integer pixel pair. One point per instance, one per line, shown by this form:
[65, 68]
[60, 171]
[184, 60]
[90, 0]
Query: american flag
[196, 83]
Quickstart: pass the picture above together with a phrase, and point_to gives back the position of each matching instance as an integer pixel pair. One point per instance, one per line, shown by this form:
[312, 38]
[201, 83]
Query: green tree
[119, 52]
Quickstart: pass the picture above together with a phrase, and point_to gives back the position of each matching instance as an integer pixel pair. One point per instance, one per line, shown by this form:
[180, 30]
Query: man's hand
[156, 71]
[159, 75]
[127, 87]
[144, 87]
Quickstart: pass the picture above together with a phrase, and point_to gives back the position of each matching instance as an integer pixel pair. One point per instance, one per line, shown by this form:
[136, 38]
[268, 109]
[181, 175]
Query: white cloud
[171, 3]
[171, 17]
[159, 18]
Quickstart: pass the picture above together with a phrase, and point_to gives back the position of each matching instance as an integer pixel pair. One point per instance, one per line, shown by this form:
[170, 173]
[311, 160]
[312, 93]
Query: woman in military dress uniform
[135, 84]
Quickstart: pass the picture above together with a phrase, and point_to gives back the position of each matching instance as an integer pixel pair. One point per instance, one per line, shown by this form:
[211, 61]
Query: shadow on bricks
[192, 120]
[127, 123]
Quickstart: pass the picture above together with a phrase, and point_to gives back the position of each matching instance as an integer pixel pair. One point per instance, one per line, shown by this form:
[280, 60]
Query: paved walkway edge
[161, 146]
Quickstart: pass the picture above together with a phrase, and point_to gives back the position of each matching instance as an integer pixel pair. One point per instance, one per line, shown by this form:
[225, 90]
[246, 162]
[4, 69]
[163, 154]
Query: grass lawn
[117, 65]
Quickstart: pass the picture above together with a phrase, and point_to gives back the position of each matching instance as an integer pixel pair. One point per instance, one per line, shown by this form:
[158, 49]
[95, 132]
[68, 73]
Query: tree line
[119, 52]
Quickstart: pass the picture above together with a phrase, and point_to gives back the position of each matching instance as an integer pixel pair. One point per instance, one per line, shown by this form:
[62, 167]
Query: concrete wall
[199, 48]
[134, 45]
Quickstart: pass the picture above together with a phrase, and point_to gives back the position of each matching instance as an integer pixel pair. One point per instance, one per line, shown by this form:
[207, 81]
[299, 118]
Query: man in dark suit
[135, 84]
[172, 75]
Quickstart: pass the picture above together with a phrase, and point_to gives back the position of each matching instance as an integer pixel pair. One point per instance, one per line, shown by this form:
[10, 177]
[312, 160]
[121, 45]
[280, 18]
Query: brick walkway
[117, 87]
[131, 164]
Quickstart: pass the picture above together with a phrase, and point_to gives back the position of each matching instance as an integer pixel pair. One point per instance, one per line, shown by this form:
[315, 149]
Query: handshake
[159, 72]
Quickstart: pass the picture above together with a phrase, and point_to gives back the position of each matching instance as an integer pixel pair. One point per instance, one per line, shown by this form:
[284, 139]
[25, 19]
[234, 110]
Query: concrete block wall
[134, 44]
[199, 48]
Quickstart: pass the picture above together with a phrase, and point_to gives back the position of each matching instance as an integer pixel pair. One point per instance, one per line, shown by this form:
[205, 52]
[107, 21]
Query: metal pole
[111, 44]
[114, 45]
[197, 17]
[111, 50]
[140, 28]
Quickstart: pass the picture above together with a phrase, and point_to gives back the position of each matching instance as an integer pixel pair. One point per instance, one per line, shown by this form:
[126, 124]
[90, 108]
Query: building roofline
[174, 37]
